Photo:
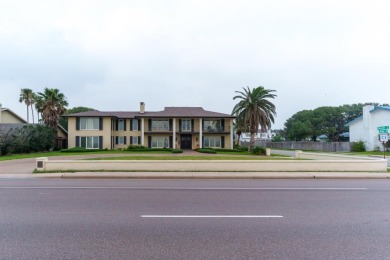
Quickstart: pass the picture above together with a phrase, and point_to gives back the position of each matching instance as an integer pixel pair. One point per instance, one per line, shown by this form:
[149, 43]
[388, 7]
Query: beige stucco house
[174, 127]
[7, 116]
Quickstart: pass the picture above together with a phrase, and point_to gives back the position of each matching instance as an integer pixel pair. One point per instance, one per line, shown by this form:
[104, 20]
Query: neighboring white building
[259, 136]
[364, 128]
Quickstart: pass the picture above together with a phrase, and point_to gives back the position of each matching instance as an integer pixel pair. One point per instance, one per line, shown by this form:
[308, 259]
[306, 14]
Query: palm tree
[27, 96]
[239, 127]
[255, 110]
[51, 103]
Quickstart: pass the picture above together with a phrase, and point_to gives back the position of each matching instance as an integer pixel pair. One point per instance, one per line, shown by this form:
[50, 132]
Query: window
[121, 140]
[135, 139]
[212, 142]
[213, 125]
[89, 142]
[160, 125]
[185, 125]
[121, 125]
[134, 124]
[160, 141]
[89, 123]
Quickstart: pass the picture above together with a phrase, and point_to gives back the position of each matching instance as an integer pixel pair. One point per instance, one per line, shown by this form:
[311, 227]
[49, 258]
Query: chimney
[142, 107]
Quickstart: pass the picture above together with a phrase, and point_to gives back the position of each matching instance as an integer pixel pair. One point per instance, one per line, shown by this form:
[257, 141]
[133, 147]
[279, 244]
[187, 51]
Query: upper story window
[160, 125]
[213, 125]
[134, 124]
[121, 125]
[89, 123]
[185, 125]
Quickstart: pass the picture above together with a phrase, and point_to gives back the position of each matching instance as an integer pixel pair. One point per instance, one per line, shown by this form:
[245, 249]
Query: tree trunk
[32, 113]
[28, 121]
[252, 141]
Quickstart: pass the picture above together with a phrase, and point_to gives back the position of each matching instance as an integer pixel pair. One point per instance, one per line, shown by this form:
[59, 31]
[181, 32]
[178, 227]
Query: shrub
[359, 146]
[241, 148]
[258, 150]
[135, 147]
[206, 150]
[81, 150]
[177, 151]
[26, 139]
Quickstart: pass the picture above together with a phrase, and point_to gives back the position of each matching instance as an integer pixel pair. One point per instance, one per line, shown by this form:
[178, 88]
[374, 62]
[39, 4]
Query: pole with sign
[383, 137]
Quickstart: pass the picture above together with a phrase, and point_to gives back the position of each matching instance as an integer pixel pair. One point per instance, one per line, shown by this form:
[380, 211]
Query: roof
[168, 112]
[6, 126]
[377, 108]
[380, 108]
[354, 120]
[13, 113]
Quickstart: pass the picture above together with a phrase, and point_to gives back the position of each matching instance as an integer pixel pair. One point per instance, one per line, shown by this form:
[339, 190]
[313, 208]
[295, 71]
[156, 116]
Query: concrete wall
[214, 166]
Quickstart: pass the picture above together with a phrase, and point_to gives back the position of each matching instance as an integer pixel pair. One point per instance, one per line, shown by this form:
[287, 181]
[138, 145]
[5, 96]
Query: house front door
[185, 142]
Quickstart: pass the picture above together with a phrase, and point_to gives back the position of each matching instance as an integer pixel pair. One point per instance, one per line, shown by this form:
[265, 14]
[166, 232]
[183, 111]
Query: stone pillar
[41, 163]
[297, 154]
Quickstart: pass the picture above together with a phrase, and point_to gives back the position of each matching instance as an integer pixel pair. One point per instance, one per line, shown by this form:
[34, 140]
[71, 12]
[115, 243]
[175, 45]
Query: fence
[312, 146]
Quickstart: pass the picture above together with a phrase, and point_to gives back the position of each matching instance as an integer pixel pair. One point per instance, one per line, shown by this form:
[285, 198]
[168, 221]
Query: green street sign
[383, 129]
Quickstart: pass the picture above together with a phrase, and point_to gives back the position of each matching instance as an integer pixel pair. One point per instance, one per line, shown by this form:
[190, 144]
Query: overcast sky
[110, 55]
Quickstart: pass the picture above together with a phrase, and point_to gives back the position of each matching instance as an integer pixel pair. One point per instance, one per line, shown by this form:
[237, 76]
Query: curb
[217, 175]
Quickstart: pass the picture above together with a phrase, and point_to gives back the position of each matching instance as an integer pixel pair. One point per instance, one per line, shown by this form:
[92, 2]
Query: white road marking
[174, 188]
[211, 216]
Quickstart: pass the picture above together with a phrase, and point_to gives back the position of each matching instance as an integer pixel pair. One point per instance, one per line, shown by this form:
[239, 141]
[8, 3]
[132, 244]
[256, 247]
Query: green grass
[380, 153]
[58, 153]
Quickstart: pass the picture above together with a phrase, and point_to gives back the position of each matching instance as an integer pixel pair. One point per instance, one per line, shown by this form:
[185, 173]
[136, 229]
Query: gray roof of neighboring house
[6, 126]
[179, 112]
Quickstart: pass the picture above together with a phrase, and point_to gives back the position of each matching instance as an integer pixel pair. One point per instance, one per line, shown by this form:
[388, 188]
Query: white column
[200, 133]
[142, 132]
[174, 134]
[231, 134]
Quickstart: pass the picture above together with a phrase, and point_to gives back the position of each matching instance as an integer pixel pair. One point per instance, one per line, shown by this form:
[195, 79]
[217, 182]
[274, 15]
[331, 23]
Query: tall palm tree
[51, 103]
[27, 96]
[255, 110]
[239, 127]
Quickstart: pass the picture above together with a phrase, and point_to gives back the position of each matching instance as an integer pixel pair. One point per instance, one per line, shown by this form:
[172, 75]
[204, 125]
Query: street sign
[383, 137]
[383, 129]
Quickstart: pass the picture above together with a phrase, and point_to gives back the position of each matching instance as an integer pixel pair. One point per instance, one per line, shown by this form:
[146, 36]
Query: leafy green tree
[309, 124]
[255, 110]
[27, 96]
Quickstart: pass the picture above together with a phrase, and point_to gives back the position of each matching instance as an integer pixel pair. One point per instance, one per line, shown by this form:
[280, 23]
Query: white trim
[142, 132]
[200, 132]
[174, 133]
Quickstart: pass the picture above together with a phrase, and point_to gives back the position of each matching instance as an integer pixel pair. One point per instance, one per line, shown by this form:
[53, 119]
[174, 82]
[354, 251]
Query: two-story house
[174, 127]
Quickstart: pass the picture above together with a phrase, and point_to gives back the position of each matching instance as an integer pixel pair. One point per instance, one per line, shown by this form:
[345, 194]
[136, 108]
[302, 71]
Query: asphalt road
[194, 219]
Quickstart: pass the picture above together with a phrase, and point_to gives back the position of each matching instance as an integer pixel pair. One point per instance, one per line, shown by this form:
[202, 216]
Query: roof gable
[13, 114]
